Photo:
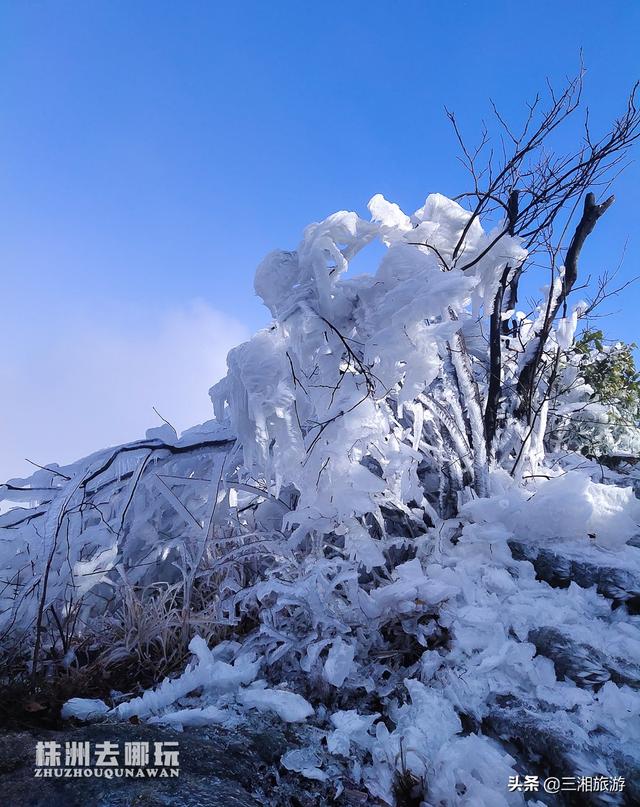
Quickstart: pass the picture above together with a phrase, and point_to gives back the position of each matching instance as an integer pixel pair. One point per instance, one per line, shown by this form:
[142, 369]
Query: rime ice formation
[437, 608]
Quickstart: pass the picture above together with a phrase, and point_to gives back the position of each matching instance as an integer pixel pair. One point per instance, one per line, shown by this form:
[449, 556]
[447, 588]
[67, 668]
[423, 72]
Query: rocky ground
[218, 768]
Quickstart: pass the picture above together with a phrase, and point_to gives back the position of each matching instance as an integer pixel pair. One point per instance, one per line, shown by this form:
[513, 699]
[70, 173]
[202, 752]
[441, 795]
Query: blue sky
[152, 152]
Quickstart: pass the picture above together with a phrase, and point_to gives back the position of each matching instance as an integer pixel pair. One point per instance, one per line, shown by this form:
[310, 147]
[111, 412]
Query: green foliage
[611, 372]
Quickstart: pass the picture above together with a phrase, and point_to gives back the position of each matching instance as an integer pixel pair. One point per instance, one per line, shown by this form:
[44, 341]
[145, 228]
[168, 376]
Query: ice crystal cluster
[442, 612]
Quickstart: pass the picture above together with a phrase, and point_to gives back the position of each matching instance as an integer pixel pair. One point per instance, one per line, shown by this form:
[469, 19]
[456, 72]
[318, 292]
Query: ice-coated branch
[591, 213]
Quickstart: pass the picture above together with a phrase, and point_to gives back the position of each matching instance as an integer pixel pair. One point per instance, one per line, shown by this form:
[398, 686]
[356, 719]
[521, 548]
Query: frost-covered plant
[354, 422]
[598, 399]
[610, 370]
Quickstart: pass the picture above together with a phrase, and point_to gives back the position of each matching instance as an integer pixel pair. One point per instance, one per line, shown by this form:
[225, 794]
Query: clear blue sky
[152, 152]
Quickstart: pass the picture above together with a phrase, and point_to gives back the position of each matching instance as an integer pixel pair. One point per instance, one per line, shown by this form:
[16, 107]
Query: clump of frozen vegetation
[605, 409]
[376, 535]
